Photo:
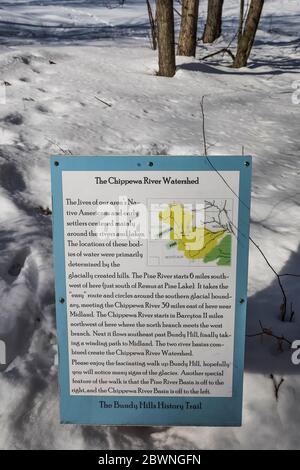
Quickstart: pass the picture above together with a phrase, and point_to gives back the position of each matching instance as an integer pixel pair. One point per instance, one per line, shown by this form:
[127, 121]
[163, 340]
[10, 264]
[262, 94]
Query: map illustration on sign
[193, 232]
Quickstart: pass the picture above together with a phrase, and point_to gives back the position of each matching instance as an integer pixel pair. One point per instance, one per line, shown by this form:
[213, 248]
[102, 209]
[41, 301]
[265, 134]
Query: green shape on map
[221, 252]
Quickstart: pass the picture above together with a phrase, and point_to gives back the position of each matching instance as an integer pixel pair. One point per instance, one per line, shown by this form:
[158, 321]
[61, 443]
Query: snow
[52, 108]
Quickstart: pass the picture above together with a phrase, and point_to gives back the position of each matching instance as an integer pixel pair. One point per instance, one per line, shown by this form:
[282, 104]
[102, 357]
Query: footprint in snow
[11, 178]
[42, 108]
[18, 262]
[14, 118]
[26, 59]
[20, 305]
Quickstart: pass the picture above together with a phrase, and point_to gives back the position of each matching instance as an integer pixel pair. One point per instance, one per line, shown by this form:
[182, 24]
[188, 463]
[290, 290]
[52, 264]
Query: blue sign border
[214, 411]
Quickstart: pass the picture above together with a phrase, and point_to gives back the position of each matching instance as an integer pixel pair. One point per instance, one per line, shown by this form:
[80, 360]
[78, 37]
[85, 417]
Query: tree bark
[241, 20]
[188, 28]
[165, 38]
[213, 27]
[246, 40]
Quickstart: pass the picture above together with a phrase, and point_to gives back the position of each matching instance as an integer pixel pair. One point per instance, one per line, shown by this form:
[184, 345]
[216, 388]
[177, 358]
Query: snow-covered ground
[56, 57]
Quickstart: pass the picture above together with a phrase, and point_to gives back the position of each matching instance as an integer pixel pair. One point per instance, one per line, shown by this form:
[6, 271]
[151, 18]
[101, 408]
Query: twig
[237, 32]
[289, 274]
[292, 312]
[45, 211]
[283, 307]
[65, 152]
[104, 102]
[276, 385]
[203, 126]
[176, 11]
[268, 332]
[225, 49]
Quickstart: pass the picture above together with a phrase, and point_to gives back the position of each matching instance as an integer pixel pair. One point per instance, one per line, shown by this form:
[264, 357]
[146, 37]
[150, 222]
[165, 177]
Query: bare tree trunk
[152, 26]
[188, 29]
[213, 27]
[165, 38]
[241, 20]
[247, 38]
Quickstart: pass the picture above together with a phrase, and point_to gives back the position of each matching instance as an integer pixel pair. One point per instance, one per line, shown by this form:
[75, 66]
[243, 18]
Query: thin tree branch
[65, 152]
[268, 332]
[225, 49]
[276, 385]
[203, 126]
[152, 26]
[104, 102]
[289, 274]
[283, 306]
[292, 314]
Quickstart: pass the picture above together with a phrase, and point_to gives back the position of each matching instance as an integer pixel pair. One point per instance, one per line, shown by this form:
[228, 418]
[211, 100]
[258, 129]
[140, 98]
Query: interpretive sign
[151, 258]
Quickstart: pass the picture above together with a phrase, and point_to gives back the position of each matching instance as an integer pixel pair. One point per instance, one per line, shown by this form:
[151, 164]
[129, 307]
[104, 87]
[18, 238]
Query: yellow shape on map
[195, 242]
